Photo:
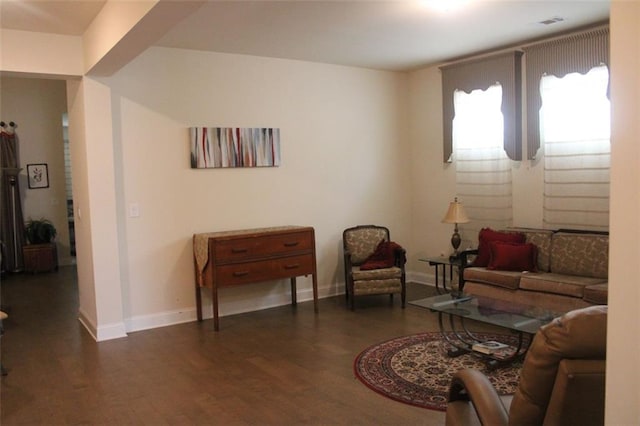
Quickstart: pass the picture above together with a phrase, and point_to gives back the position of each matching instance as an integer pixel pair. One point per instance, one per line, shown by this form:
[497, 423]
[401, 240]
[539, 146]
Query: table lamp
[455, 215]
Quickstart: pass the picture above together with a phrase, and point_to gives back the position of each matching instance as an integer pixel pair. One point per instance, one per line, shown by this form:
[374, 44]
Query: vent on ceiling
[550, 21]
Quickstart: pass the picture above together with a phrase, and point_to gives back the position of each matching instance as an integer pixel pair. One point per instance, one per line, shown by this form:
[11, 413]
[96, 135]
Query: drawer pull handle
[240, 273]
[292, 244]
[238, 250]
[294, 266]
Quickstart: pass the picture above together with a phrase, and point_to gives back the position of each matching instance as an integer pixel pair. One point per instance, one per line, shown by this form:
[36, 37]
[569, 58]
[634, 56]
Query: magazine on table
[489, 347]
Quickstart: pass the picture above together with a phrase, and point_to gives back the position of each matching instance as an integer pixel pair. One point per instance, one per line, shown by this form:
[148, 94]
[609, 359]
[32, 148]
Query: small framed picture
[38, 176]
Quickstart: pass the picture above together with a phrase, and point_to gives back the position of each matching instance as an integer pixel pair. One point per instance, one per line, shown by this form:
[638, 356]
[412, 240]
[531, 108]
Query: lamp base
[455, 241]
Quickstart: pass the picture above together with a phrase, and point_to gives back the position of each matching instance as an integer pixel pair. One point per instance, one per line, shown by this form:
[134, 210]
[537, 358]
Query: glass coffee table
[455, 309]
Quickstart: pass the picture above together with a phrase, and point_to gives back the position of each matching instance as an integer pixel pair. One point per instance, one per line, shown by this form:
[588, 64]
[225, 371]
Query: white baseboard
[103, 332]
[421, 278]
[230, 307]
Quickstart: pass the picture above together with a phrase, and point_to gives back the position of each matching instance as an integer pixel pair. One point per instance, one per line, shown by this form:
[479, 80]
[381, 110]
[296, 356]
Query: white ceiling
[393, 35]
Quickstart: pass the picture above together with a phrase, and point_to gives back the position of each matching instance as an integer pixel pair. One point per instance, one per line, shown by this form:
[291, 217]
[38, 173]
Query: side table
[40, 257]
[441, 263]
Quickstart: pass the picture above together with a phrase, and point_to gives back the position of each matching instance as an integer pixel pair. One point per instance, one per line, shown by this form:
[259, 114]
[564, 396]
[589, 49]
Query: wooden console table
[231, 258]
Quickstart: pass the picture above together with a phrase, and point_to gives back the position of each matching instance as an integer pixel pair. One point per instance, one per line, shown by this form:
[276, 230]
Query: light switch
[134, 210]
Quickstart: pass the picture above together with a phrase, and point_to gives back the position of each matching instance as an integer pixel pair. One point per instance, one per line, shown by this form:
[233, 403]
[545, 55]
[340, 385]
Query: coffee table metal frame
[521, 319]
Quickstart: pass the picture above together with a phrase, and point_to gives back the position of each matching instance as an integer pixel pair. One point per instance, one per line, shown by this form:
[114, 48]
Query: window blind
[483, 170]
[575, 130]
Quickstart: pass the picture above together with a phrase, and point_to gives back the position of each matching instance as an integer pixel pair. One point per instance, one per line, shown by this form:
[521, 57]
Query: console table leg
[294, 291]
[199, 302]
[214, 299]
[315, 293]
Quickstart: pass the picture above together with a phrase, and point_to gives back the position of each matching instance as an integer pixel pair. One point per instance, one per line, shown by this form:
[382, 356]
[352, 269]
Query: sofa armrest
[464, 256]
[473, 385]
[464, 263]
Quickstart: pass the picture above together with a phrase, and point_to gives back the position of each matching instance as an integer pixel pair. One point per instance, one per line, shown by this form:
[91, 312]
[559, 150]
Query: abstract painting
[220, 147]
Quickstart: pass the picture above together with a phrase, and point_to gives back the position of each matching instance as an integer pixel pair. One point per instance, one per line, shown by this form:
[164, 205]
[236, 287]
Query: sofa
[560, 270]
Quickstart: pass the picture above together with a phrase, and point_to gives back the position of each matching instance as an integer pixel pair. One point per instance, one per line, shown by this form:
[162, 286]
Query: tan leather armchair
[562, 380]
[362, 244]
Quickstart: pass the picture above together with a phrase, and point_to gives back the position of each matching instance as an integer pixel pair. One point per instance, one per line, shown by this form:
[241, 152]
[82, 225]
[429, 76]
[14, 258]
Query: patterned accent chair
[360, 242]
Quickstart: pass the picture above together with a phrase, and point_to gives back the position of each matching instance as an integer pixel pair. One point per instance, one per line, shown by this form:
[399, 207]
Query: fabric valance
[577, 53]
[467, 76]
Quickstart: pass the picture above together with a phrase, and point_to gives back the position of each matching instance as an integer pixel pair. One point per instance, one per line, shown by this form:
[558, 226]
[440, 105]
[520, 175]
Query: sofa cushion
[598, 294]
[512, 256]
[568, 285]
[542, 240]
[506, 279]
[580, 254]
[486, 236]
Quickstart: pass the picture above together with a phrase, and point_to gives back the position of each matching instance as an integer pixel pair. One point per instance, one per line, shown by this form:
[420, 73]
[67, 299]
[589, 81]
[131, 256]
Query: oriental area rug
[416, 370]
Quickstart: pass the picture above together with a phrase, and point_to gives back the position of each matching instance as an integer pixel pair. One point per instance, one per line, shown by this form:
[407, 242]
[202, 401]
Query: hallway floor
[272, 367]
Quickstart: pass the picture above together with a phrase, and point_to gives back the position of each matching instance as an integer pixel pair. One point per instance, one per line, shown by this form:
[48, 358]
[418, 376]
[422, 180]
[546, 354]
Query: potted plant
[40, 254]
[39, 231]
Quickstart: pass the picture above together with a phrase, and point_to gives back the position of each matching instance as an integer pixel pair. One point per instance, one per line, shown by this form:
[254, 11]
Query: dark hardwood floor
[280, 366]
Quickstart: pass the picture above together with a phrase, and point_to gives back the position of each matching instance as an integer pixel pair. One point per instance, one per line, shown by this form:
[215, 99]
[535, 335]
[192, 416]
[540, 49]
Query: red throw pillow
[513, 256]
[486, 236]
[382, 257]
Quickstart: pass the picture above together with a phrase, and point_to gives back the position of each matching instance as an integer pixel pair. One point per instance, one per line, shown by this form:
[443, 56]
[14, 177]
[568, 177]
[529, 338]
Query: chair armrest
[472, 385]
[578, 393]
[400, 257]
[347, 260]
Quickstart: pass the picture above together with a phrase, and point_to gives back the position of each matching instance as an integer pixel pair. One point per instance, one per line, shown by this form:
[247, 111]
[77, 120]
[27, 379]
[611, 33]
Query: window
[503, 69]
[576, 53]
[575, 132]
[483, 170]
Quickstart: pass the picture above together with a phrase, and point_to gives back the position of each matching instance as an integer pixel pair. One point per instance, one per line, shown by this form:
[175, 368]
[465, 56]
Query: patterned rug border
[434, 401]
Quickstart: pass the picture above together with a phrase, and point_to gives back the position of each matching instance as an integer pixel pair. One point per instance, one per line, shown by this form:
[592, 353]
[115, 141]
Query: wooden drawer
[264, 270]
[242, 248]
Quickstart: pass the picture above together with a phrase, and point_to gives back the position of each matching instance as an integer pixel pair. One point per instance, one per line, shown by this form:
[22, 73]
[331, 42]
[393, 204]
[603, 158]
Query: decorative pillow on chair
[513, 256]
[486, 236]
[383, 256]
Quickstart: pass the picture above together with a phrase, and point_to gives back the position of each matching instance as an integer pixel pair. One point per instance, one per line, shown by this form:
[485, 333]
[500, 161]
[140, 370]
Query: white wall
[344, 156]
[37, 107]
[623, 328]
[433, 181]
[42, 54]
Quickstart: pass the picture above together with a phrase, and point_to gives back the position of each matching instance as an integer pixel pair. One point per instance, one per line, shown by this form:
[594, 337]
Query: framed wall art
[38, 176]
[221, 147]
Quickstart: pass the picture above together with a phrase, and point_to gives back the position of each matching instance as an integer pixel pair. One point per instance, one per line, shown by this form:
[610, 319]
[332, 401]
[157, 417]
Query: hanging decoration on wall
[38, 176]
[220, 147]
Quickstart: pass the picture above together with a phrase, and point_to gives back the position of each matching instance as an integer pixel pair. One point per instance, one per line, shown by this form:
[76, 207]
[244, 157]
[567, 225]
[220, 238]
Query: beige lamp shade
[456, 213]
